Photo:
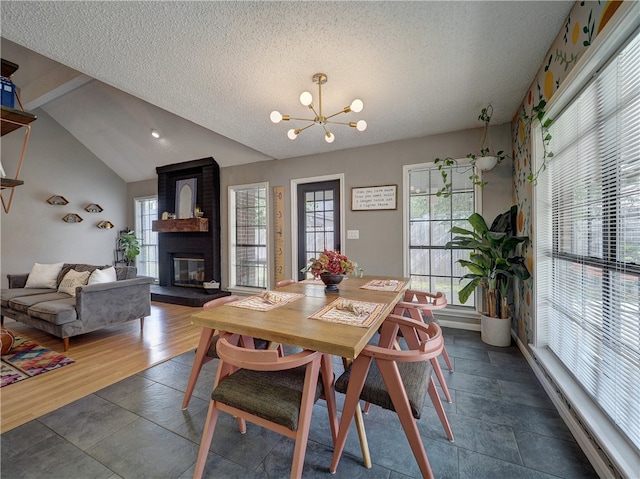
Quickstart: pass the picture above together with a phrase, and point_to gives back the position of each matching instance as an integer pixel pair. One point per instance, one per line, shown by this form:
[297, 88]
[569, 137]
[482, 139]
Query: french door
[318, 207]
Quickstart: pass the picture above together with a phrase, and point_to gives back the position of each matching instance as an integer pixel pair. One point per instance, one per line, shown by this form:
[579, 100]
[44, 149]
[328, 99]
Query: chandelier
[319, 119]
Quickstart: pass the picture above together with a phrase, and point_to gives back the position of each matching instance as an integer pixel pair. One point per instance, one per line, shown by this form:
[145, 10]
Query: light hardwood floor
[102, 358]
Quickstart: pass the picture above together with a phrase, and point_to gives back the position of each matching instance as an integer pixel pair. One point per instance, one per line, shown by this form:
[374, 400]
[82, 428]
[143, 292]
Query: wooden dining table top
[291, 324]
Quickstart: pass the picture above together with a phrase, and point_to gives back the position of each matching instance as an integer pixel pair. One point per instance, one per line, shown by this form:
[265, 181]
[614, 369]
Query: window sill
[607, 449]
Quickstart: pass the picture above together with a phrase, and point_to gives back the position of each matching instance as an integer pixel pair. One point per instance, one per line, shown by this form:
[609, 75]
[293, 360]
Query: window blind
[588, 211]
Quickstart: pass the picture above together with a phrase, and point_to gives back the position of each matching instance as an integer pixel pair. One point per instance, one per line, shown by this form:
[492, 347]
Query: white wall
[56, 164]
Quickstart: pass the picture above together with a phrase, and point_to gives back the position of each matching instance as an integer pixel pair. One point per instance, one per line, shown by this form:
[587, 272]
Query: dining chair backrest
[285, 282]
[397, 380]
[206, 350]
[272, 391]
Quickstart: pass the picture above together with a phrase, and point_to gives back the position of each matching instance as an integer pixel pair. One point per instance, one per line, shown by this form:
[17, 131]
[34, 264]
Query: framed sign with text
[374, 198]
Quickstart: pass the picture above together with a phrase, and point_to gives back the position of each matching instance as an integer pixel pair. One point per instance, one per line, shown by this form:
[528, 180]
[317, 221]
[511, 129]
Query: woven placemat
[393, 285]
[342, 311]
[266, 301]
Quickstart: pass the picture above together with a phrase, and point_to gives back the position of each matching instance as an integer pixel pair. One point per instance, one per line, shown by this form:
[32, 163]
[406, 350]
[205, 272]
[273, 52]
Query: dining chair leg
[437, 404]
[326, 366]
[203, 346]
[445, 355]
[207, 436]
[350, 408]
[398, 395]
[304, 422]
[438, 370]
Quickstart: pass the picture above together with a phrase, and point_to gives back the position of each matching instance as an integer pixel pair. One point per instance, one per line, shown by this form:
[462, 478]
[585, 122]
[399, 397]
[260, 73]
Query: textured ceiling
[210, 73]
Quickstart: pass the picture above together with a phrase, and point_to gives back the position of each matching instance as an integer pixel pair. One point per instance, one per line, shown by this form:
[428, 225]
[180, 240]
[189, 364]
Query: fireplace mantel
[185, 225]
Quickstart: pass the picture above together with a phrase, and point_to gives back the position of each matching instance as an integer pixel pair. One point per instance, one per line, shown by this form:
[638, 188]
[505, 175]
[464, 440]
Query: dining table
[303, 314]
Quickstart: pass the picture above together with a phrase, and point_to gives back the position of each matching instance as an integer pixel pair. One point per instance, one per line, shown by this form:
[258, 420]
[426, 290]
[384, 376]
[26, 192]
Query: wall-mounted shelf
[11, 120]
[72, 218]
[186, 225]
[57, 200]
[93, 208]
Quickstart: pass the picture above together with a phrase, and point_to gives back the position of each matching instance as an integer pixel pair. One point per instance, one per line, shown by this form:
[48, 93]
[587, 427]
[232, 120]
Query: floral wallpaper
[585, 21]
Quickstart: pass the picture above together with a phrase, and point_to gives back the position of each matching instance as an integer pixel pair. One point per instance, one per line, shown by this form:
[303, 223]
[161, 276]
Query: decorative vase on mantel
[331, 282]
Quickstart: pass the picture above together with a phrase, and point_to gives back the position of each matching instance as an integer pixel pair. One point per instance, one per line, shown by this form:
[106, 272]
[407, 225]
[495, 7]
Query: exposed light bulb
[306, 98]
[361, 125]
[357, 105]
[292, 134]
[328, 137]
[155, 134]
[276, 116]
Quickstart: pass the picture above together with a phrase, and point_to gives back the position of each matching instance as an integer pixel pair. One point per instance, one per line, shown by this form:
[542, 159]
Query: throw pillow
[72, 280]
[44, 275]
[106, 275]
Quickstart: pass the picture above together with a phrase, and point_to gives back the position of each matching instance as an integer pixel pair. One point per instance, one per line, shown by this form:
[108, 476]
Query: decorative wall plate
[105, 225]
[93, 208]
[57, 200]
[72, 218]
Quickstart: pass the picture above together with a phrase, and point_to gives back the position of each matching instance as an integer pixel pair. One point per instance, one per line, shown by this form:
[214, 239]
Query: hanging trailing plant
[537, 113]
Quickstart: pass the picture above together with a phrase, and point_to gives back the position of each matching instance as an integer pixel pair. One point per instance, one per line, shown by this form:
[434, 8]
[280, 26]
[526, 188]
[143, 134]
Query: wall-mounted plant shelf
[105, 225]
[57, 200]
[93, 208]
[72, 218]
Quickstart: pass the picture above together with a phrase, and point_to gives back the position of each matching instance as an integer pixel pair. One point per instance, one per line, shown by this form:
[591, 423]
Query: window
[588, 252]
[147, 211]
[432, 267]
[248, 236]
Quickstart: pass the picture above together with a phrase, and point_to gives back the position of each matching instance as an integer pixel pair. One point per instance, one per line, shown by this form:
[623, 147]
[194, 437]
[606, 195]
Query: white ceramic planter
[495, 331]
[486, 163]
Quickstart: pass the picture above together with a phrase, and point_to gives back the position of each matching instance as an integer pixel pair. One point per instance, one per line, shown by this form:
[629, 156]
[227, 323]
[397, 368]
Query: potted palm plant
[492, 265]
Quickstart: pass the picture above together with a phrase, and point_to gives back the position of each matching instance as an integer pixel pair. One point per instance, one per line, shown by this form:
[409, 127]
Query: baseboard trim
[600, 459]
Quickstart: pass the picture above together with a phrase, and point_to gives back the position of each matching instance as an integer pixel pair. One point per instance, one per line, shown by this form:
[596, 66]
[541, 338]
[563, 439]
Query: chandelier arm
[302, 119]
[335, 114]
[338, 122]
[308, 126]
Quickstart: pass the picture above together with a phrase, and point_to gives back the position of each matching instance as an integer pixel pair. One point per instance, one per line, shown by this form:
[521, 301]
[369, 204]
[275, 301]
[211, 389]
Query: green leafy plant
[130, 245]
[537, 113]
[493, 261]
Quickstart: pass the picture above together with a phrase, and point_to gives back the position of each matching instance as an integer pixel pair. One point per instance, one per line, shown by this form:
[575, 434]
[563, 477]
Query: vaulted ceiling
[208, 74]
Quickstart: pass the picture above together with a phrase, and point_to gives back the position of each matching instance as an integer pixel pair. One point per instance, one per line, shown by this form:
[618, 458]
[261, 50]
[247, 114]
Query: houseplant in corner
[129, 245]
[492, 265]
[331, 267]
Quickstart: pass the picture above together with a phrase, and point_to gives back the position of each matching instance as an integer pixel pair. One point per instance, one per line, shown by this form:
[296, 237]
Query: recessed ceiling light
[155, 134]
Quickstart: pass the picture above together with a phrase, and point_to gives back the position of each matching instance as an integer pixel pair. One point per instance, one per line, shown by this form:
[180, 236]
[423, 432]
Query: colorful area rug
[26, 359]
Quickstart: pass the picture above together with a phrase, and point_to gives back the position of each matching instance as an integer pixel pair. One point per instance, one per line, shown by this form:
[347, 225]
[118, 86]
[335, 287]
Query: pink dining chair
[272, 391]
[397, 380]
[419, 305]
[285, 282]
[206, 350]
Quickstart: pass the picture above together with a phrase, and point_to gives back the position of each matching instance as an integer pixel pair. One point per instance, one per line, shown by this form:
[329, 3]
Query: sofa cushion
[126, 272]
[56, 312]
[23, 303]
[78, 267]
[9, 294]
[72, 280]
[106, 275]
[43, 275]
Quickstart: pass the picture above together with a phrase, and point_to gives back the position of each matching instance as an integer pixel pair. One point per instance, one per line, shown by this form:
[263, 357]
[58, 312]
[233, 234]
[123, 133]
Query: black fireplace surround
[201, 245]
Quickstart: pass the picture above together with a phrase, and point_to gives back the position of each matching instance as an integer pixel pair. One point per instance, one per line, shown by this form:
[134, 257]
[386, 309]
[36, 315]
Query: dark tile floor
[504, 427]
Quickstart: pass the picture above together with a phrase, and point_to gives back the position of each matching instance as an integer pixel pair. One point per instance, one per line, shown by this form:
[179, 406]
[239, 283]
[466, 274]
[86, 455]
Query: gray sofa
[95, 306]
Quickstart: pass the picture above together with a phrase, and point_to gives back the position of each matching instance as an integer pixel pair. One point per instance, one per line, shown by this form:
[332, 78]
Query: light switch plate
[353, 234]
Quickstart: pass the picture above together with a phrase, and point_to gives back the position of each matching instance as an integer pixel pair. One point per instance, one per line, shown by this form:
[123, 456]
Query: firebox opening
[188, 272]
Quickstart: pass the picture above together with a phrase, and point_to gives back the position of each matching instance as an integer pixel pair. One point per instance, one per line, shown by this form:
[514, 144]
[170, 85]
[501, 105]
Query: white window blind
[588, 221]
